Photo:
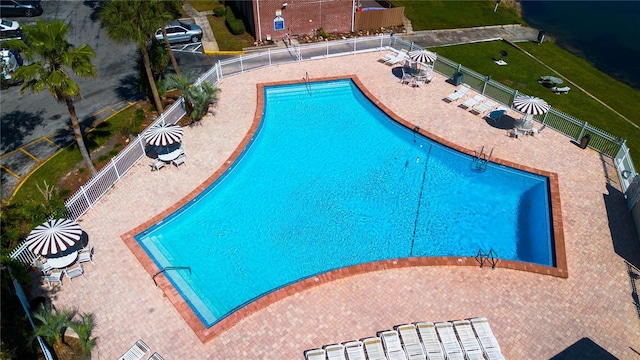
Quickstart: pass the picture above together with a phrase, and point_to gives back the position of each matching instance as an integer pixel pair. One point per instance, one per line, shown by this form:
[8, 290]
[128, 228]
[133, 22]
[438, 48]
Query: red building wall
[301, 17]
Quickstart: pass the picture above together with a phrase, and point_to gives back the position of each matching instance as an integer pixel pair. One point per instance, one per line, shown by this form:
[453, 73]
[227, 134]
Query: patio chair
[411, 342]
[487, 340]
[391, 341]
[42, 266]
[469, 103]
[406, 77]
[561, 90]
[53, 277]
[335, 352]
[373, 348]
[157, 165]
[432, 345]
[138, 351]
[459, 93]
[74, 272]
[156, 356]
[449, 341]
[483, 107]
[178, 161]
[355, 350]
[315, 354]
[86, 255]
[470, 344]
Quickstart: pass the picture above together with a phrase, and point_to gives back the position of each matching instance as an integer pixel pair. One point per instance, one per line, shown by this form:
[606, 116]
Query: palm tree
[52, 325]
[50, 57]
[135, 20]
[197, 98]
[168, 9]
[84, 329]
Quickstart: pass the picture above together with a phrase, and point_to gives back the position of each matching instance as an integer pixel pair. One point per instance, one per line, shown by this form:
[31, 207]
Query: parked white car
[10, 29]
[9, 65]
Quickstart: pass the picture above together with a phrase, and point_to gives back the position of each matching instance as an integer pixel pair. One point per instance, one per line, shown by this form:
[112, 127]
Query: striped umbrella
[530, 105]
[54, 236]
[423, 56]
[163, 134]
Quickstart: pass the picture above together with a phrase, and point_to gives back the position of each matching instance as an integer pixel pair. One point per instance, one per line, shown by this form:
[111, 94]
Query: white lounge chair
[391, 341]
[469, 103]
[138, 351]
[459, 93]
[335, 352]
[467, 337]
[483, 107]
[411, 342]
[53, 277]
[355, 350]
[156, 356]
[487, 340]
[449, 341]
[74, 272]
[315, 354]
[373, 348]
[432, 345]
[86, 255]
[560, 90]
[402, 55]
[388, 56]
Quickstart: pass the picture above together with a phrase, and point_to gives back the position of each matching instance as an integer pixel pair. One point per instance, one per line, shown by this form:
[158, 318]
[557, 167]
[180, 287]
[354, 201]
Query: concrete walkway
[447, 37]
[208, 39]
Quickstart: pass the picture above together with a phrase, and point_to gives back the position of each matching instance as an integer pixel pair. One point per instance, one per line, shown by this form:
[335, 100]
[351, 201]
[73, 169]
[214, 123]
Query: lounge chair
[561, 90]
[467, 337]
[156, 356]
[335, 352]
[355, 350]
[469, 103]
[373, 348]
[74, 272]
[483, 107]
[497, 114]
[432, 345]
[315, 354]
[86, 255]
[391, 341]
[53, 277]
[487, 340]
[388, 56]
[449, 341]
[459, 93]
[411, 342]
[402, 55]
[138, 351]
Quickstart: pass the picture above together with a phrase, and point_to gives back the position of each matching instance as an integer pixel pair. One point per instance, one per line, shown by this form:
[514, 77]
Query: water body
[603, 32]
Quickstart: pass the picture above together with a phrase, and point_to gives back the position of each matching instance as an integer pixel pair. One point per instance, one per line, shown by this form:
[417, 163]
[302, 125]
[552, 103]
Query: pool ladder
[170, 268]
[491, 257]
[306, 81]
[482, 159]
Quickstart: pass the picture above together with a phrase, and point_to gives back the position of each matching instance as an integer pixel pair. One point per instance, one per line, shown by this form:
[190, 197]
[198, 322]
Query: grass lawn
[443, 14]
[225, 39]
[522, 73]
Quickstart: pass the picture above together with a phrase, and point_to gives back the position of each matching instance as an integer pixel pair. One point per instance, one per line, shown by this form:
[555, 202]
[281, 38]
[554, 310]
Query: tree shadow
[584, 349]
[129, 88]
[95, 6]
[16, 125]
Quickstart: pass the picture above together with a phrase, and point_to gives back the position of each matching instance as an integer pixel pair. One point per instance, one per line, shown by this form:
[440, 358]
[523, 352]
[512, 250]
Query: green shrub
[321, 33]
[219, 11]
[236, 26]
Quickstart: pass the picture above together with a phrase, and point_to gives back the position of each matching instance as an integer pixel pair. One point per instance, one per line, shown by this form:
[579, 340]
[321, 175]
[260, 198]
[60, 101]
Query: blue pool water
[330, 181]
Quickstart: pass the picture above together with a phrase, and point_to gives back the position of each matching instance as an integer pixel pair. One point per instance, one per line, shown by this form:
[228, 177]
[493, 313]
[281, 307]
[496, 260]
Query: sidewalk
[447, 37]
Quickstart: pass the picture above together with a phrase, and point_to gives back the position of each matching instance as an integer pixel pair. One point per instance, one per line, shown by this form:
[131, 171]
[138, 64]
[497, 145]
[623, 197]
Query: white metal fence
[575, 129]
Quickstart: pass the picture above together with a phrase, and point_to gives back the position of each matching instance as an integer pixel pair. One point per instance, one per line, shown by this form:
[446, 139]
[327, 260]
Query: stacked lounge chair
[487, 340]
[391, 341]
[430, 340]
[483, 107]
[471, 102]
[449, 341]
[458, 94]
[335, 352]
[467, 337]
[373, 348]
[355, 350]
[315, 354]
[411, 342]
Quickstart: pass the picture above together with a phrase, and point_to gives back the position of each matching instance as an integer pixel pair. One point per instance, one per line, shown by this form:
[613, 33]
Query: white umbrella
[163, 135]
[531, 106]
[54, 236]
[423, 56]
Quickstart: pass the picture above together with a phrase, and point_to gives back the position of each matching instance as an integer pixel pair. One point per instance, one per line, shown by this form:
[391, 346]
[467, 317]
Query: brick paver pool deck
[533, 316]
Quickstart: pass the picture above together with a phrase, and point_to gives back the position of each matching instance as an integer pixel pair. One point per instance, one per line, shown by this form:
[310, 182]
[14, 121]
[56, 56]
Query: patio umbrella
[163, 134]
[54, 236]
[531, 106]
[423, 56]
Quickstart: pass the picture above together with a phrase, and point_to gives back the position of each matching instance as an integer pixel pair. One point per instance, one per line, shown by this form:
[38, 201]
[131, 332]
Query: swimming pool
[330, 181]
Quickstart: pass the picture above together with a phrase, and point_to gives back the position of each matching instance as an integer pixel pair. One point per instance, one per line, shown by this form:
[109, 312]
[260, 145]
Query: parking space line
[29, 154]
[9, 172]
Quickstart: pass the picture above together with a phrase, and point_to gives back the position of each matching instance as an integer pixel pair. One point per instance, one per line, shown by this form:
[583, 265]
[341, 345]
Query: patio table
[62, 261]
